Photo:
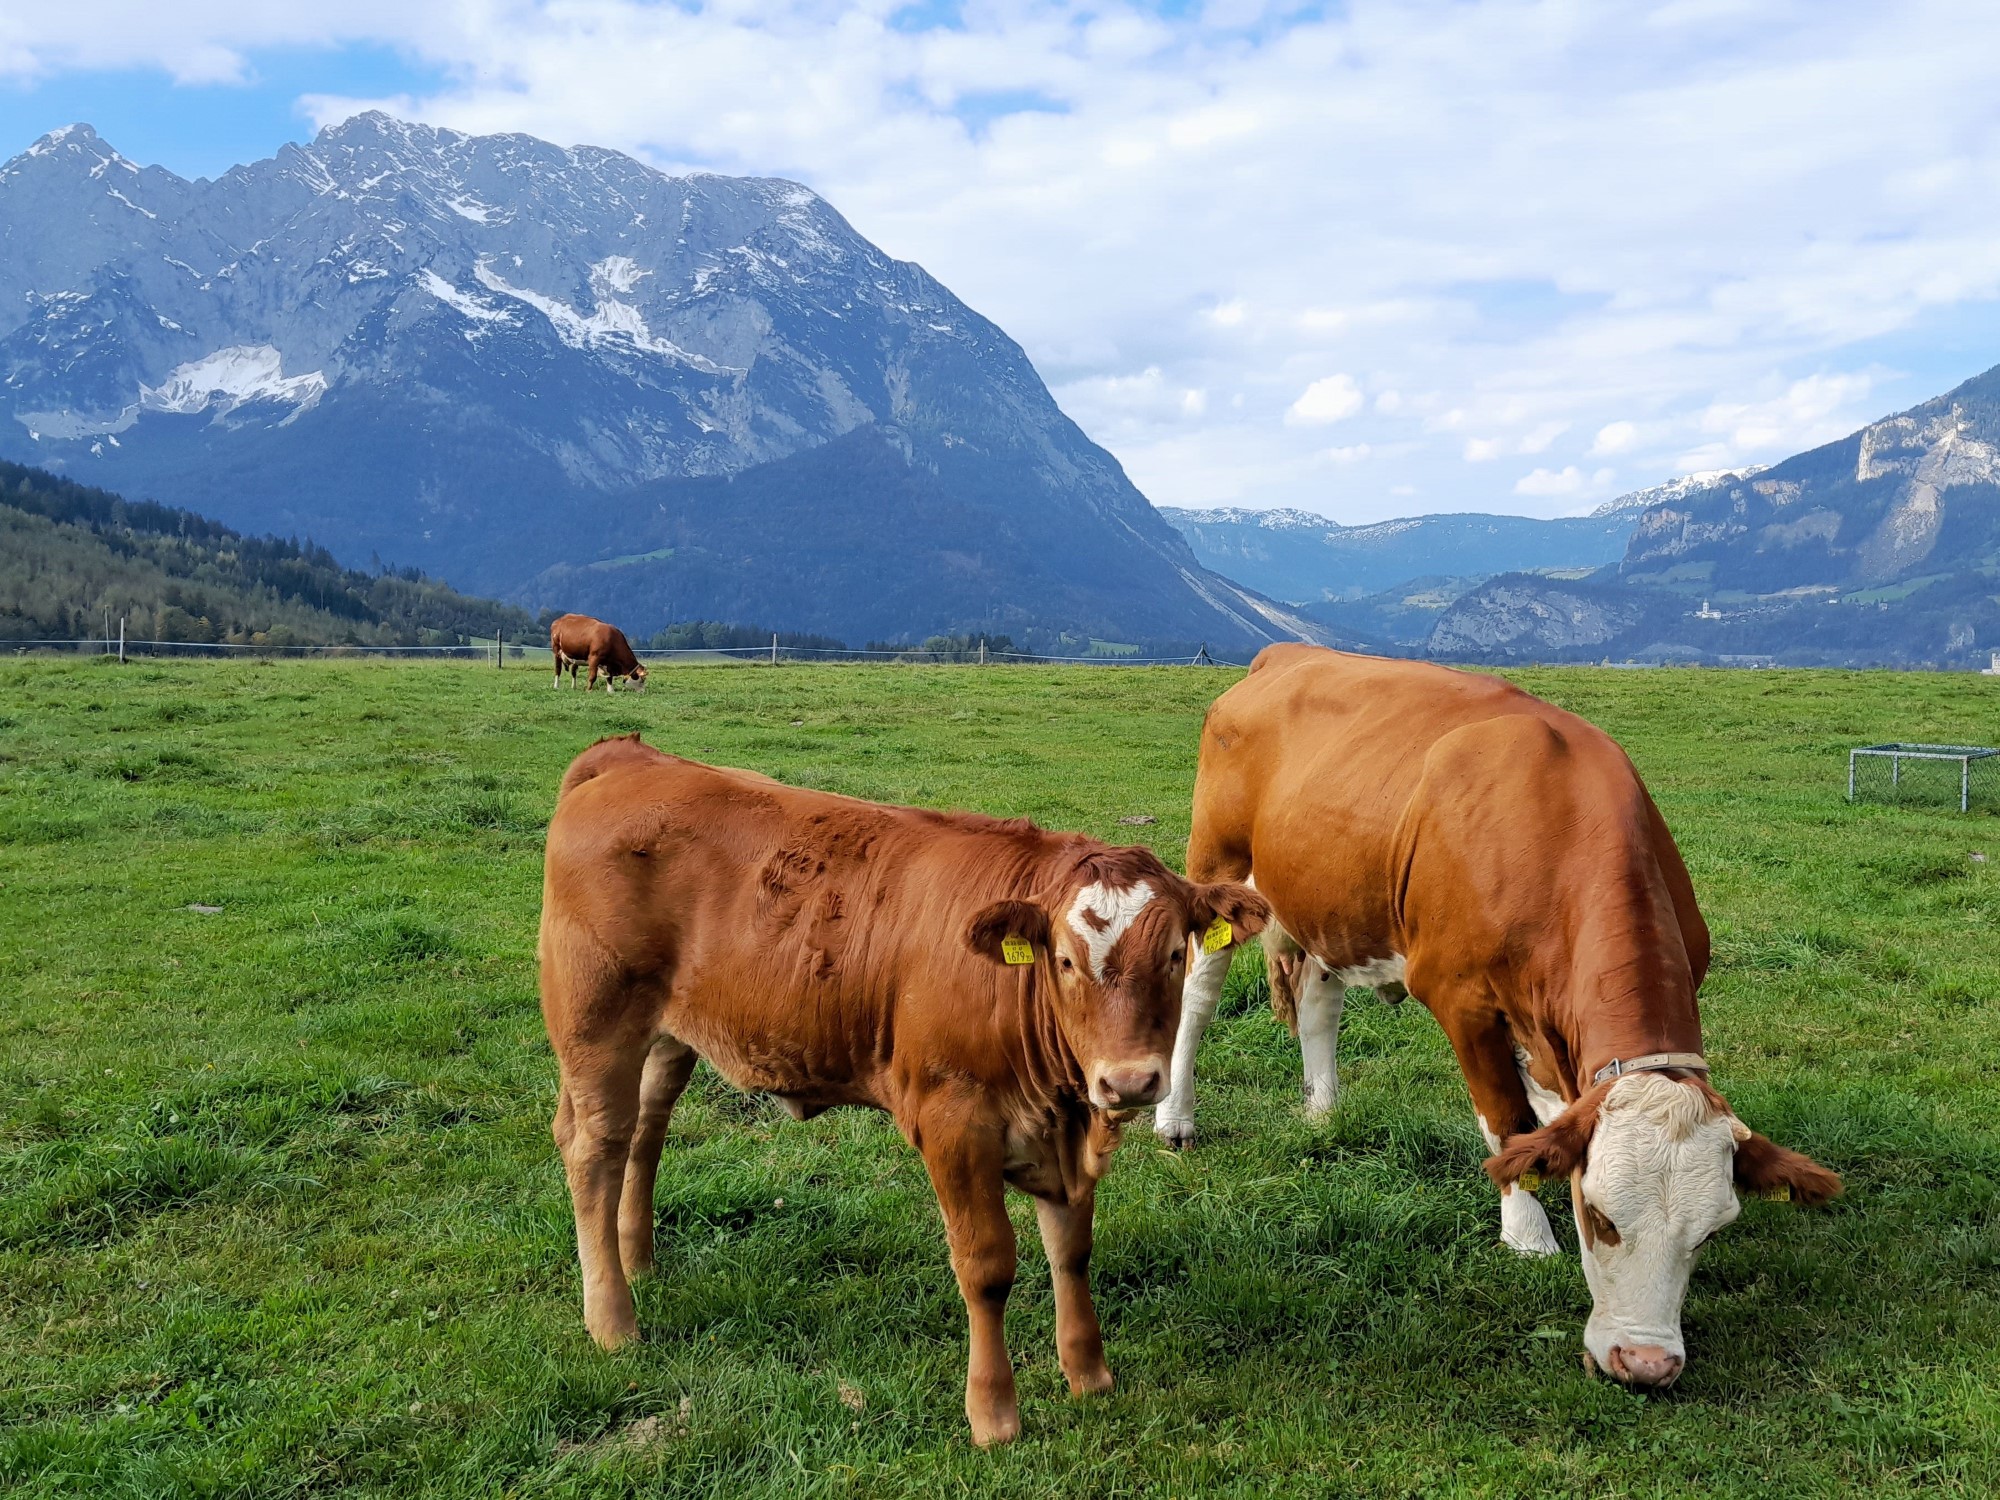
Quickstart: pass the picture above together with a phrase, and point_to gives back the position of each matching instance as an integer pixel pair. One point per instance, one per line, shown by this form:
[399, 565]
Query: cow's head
[1653, 1162]
[637, 676]
[1114, 938]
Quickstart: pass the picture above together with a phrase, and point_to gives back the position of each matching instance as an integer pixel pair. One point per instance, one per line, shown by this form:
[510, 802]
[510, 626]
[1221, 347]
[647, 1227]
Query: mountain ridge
[1305, 558]
[1880, 548]
[475, 353]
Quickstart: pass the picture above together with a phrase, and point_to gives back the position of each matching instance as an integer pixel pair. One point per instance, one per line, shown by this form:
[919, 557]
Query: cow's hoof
[1533, 1249]
[1318, 1110]
[1090, 1382]
[1178, 1135]
[614, 1333]
[995, 1427]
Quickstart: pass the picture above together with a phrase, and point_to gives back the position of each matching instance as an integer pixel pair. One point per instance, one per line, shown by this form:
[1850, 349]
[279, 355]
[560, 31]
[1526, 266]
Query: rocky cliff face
[1914, 494]
[1514, 617]
[495, 357]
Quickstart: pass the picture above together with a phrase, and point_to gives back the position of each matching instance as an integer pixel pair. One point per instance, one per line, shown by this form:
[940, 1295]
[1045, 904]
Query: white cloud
[1565, 481]
[1332, 399]
[1504, 210]
[1482, 450]
[1797, 417]
[1351, 454]
[1613, 437]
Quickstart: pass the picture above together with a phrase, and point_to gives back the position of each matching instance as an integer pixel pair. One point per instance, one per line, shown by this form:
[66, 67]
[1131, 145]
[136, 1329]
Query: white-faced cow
[1447, 835]
[578, 641]
[1008, 995]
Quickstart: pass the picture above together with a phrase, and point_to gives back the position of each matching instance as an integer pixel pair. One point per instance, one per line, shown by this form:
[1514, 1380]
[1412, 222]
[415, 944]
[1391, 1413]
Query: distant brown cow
[1445, 832]
[578, 640]
[1008, 995]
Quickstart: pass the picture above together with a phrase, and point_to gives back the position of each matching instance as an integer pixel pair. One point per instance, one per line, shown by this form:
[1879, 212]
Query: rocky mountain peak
[406, 340]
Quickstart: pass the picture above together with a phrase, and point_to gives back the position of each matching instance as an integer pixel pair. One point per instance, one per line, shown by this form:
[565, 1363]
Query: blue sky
[1365, 259]
[201, 130]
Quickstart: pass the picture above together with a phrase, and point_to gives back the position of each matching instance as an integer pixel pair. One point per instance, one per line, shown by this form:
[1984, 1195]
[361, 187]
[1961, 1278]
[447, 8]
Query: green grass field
[280, 1214]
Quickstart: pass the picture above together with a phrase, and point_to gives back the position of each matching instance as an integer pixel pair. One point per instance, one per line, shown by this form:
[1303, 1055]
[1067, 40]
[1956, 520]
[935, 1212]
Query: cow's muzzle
[1128, 1085]
[1644, 1366]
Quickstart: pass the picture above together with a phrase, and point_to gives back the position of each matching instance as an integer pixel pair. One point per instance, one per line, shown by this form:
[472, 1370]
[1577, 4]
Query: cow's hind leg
[668, 1067]
[1066, 1232]
[594, 1123]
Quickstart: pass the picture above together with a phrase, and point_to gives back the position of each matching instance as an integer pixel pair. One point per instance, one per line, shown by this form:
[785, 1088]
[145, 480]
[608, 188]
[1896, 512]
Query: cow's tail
[617, 750]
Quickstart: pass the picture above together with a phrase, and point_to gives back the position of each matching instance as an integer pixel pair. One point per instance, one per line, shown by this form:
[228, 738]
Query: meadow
[280, 1213]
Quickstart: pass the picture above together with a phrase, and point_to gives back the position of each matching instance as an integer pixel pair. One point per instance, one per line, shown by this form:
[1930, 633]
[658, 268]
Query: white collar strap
[1652, 1062]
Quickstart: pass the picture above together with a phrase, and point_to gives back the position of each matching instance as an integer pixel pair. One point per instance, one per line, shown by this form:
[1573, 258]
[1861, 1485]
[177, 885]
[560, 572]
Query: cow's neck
[1628, 993]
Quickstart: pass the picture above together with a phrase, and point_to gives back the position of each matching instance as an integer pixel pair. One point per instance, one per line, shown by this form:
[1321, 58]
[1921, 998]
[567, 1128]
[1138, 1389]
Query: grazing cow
[1008, 995]
[1450, 836]
[578, 640]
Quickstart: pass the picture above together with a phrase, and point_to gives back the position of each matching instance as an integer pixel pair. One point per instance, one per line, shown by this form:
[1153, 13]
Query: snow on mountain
[498, 357]
[1673, 489]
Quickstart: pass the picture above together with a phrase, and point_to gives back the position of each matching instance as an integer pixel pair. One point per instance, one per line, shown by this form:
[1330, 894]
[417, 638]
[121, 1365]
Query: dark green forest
[72, 556]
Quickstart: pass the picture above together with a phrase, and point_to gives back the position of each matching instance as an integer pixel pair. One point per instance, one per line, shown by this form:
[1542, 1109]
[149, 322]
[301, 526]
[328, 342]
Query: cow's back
[1312, 764]
[789, 936]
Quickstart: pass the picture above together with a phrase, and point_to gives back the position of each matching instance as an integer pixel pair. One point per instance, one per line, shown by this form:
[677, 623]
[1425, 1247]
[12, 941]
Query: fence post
[774, 648]
[499, 647]
[982, 653]
[121, 640]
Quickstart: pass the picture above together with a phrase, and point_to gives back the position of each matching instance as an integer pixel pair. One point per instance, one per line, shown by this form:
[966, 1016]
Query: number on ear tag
[1782, 1193]
[1017, 950]
[1217, 937]
[1529, 1179]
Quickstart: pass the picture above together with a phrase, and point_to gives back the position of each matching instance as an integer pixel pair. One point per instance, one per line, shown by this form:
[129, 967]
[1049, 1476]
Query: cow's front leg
[1173, 1117]
[1066, 1230]
[966, 1167]
[668, 1067]
[1322, 998]
[1485, 1049]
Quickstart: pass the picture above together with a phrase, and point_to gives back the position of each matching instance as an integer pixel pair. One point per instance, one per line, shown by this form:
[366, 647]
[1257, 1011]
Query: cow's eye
[1176, 959]
[1066, 963]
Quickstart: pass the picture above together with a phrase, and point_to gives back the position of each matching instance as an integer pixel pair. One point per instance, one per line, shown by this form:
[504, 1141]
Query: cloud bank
[1490, 254]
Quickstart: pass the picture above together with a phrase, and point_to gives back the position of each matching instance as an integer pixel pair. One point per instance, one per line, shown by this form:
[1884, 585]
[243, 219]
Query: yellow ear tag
[1782, 1193]
[1529, 1180]
[1017, 950]
[1217, 937]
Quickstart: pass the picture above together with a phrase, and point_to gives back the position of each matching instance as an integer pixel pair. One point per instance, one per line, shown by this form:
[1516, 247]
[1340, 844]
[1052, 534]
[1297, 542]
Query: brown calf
[578, 640]
[1008, 995]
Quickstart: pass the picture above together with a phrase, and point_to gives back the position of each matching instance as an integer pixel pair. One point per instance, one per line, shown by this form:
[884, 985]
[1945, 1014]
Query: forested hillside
[70, 555]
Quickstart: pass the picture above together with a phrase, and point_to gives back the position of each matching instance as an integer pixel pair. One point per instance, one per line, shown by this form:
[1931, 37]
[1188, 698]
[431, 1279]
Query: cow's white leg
[1524, 1228]
[1173, 1117]
[1322, 997]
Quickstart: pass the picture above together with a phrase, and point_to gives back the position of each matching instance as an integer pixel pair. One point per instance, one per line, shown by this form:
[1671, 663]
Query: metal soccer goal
[1896, 752]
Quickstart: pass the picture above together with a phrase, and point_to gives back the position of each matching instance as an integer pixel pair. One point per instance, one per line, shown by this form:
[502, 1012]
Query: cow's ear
[1243, 909]
[1556, 1150]
[1022, 921]
[1767, 1169]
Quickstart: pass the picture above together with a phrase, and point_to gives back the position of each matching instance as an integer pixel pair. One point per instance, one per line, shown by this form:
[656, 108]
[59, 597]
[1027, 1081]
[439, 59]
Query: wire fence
[505, 652]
